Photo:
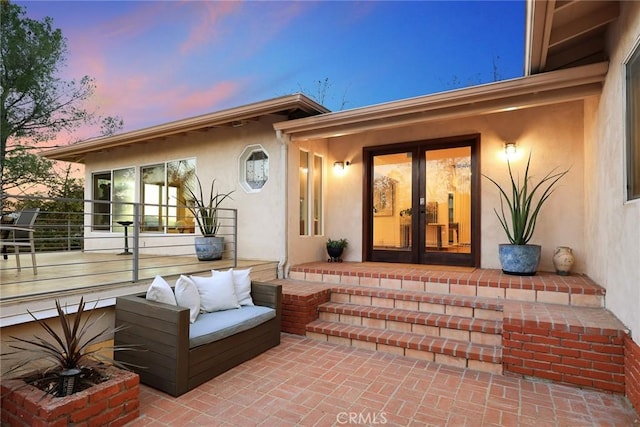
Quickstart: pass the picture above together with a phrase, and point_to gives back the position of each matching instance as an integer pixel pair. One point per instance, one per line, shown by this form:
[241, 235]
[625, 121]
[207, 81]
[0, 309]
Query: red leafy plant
[72, 364]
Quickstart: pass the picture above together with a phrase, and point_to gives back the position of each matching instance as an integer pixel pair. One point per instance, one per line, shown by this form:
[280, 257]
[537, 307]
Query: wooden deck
[97, 276]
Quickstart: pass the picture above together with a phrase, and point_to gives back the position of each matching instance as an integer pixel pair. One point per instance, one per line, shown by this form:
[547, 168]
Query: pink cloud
[206, 28]
[148, 86]
[206, 100]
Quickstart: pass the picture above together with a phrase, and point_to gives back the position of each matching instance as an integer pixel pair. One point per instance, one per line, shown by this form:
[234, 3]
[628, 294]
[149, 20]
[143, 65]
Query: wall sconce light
[339, 166]
[510, 149]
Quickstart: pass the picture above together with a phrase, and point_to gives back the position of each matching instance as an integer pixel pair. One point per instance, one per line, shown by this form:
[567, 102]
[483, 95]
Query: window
[311, 194]
[153, 196]
[102, 206]
[163, 190]
[317, 195]
[304, 192]
[162, 195]
[633, 125]
[117, 187]
[254, 168]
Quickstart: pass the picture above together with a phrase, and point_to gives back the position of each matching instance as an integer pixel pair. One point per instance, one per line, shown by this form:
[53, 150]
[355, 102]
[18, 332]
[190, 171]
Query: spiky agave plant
[67, 353]
[205, 210]
[523, 208]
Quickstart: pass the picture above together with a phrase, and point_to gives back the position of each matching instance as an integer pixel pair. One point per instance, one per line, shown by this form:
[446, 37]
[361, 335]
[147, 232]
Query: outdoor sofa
[171, 361]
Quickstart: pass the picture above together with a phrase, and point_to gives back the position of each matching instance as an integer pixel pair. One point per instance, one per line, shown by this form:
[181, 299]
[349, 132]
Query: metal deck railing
[82, 243]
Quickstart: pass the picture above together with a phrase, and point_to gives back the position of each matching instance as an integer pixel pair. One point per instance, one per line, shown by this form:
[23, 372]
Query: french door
[421, 202]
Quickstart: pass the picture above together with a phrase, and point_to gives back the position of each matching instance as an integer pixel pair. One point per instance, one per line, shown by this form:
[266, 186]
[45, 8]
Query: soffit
[541, 89]
[567, 33]
[288, 107]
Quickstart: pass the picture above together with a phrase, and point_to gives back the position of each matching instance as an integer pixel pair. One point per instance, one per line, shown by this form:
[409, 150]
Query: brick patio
[419, 345]
[304, 382]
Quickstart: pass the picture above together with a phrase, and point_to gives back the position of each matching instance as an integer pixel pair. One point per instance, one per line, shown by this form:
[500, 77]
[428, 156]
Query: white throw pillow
[242, 284]
[216, 292]
[187, 296]
[160, 291]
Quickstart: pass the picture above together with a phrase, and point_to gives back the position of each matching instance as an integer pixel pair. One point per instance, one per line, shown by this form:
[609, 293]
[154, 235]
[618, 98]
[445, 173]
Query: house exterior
[407, 184]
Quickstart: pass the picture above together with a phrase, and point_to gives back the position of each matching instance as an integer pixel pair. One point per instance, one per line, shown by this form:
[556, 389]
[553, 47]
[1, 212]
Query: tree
[35, 103]
[24, 170]
[322, 91]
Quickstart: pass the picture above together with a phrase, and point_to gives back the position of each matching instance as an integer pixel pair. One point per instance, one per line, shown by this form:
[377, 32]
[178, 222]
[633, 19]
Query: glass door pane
[392, 202]
[447, 200]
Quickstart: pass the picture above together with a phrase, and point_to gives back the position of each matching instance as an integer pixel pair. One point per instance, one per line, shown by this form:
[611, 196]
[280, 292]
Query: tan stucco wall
[554, 134]
[217, 154]
[613, 225]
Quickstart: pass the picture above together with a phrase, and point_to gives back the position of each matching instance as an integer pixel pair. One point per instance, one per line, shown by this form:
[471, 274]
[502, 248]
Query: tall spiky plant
[522, 207]
[206, 210]
[63, 351]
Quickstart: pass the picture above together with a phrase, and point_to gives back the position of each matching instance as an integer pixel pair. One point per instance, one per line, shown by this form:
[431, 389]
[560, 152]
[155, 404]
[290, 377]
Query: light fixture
[339, 166]
[510, 149]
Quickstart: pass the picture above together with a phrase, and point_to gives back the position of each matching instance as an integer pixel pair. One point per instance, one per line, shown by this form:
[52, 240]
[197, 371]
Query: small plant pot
[69, 379]
[335, 254]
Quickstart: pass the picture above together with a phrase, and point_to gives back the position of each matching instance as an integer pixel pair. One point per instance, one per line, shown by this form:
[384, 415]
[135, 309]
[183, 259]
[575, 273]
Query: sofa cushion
[217, 325]
[242, 284]
[160, 291]
[187, 296]
[216, 292]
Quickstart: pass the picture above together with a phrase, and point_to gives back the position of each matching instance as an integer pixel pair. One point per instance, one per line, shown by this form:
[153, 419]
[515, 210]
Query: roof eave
[540, 89]
[76, 152]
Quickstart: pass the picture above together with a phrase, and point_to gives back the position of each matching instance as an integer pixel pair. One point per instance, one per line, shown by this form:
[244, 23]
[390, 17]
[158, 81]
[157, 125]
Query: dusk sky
[159, 61]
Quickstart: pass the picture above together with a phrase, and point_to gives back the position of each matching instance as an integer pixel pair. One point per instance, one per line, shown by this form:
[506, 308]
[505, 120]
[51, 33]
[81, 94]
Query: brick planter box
[114, 402]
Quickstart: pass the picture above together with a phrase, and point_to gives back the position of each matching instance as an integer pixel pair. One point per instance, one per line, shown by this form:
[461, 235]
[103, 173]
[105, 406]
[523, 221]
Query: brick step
[455, 305]
[544, 287]
[447, 351]
[480, 331]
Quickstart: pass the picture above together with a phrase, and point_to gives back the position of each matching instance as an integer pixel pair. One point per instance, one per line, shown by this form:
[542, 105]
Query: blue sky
[157, 61]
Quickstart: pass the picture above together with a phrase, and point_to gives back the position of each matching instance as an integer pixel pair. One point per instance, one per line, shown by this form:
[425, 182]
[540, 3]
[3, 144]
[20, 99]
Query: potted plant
[64, 375]
[335, 249]
[518, 257]
[207, 215]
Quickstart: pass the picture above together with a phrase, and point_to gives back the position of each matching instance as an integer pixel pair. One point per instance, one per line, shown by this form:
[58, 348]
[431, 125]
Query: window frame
[247, 153]
[165, 206]
[632, 127]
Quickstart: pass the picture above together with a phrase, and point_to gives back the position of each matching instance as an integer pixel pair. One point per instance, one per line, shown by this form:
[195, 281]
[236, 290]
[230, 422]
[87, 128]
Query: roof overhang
[567, 33]
[541, 89]
[290, 107]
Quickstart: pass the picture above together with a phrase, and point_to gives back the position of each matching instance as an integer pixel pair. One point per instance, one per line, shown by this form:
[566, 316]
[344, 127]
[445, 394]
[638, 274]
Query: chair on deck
[20, 234]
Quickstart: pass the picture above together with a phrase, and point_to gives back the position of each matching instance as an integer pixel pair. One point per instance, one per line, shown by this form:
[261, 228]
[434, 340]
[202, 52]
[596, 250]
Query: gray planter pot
[209, 248]
[519, 260]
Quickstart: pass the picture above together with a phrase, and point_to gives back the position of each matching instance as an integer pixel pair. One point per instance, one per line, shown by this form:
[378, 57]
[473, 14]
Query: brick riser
[632, 371]
[299, 310]
[439, 328]
[566, 354]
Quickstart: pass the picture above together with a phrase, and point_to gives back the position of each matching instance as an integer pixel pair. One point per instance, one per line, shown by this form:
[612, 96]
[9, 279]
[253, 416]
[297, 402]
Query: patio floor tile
[304, 382]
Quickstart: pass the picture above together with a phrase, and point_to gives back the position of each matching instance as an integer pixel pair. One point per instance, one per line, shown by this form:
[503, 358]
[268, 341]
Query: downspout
[283, 263]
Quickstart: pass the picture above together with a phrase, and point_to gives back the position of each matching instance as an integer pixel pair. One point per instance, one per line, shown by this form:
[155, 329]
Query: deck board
[69, 271]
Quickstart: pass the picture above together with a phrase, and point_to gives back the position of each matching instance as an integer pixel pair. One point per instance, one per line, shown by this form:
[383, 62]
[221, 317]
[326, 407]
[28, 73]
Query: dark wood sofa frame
[161, 331]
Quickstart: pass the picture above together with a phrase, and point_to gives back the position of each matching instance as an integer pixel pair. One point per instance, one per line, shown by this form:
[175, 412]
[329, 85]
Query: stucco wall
[613, 225]
[553, 133]
[217, 153]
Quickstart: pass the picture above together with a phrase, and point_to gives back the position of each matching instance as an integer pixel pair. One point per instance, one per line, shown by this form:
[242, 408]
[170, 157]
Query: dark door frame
[418, 148]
